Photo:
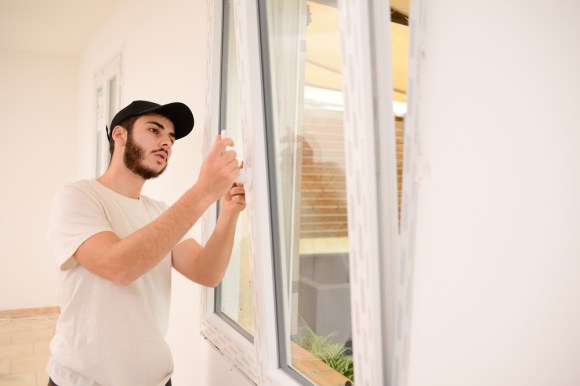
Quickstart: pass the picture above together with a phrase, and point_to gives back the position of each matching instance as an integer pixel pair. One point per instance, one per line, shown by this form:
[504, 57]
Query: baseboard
[23, 312]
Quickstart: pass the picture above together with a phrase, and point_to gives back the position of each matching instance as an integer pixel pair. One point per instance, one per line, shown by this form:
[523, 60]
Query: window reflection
[307, 133]
[400, 55]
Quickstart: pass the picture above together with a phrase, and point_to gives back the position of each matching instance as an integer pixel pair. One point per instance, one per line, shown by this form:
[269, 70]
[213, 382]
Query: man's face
[148, 146]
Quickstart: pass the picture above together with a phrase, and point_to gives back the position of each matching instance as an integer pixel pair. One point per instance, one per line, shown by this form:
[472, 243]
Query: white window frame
[413, 172]
[371, 193]
[371, 183]
[238, 350]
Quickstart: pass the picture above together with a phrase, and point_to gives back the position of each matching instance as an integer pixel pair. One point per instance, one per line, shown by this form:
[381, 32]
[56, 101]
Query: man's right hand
[219, 169]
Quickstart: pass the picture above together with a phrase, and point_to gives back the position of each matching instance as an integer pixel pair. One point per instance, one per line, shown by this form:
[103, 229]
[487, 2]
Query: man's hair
[128, 125]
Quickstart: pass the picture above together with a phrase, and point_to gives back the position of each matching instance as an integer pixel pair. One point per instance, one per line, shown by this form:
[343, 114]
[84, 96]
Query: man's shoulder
[81, 192]
[80, 184]
[76, 187]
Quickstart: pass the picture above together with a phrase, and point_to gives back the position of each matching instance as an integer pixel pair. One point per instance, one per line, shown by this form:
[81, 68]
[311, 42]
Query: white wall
[164, 44]
[38, 110]
[497, 246]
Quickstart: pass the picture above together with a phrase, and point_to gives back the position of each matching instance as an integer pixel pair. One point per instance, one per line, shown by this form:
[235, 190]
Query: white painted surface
[56, 26]
[37, 124]
[497, 252]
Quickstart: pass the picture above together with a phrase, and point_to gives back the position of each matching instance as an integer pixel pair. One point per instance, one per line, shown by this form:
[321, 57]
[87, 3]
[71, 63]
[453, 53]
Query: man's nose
[166, 142]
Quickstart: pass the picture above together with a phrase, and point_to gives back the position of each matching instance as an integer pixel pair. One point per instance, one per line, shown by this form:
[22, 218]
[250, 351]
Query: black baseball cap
[176, 112]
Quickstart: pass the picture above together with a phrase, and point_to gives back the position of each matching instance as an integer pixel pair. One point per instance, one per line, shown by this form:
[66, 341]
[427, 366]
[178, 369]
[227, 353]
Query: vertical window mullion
[371, 183]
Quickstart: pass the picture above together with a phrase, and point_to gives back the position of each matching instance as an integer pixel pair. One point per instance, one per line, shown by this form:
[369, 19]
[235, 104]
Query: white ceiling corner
[51, 26]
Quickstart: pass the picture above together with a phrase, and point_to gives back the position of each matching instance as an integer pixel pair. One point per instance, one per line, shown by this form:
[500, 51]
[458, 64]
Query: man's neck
[122, 181]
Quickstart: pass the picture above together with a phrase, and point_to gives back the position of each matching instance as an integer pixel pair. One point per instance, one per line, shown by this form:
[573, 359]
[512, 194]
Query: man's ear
[119, 135]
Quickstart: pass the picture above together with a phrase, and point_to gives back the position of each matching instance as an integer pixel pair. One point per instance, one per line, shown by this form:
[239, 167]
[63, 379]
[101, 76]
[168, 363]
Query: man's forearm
[124, 260]
[215, 256]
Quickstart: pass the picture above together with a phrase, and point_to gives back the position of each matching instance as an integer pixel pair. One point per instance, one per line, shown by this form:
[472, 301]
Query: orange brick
[4, 367]
[16, 351]
[5, 338]
[28, 379]
[41, 378]
[32, 336]
[10, 324]
[29, 364]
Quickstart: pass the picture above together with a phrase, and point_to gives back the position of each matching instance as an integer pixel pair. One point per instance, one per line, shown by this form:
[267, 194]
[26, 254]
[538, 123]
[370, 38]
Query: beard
[133, 159]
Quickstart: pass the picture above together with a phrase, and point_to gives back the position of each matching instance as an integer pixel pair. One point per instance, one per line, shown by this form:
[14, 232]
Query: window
[301, 96]
[228, 311]
[108, 101]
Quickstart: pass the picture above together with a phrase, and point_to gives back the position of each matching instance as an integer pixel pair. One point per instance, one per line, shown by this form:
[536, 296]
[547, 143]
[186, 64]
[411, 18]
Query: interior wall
[496, 261]
[164, 46]
[38, 108]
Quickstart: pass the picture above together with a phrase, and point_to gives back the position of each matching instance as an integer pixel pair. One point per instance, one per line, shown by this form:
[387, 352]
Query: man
[116, 247]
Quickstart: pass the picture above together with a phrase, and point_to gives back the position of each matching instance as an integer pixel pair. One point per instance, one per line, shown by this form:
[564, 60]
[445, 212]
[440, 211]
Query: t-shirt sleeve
[75, 217]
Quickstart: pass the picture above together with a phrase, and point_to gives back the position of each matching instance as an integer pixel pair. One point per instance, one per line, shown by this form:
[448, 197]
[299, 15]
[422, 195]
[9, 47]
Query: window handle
[244, 177]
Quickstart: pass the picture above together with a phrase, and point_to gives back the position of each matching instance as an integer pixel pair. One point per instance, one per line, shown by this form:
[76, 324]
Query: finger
[228, 168]
[237, 191]
[227, 141]
[220, 145]
[239, 199]
[230, 156]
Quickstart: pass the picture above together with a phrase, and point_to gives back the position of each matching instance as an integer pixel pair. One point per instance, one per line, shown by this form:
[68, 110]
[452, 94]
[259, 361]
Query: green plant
[333, 354]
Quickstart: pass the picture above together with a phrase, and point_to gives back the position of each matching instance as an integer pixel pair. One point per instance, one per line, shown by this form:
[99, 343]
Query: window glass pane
[112, 97]
[234, 294]
[101, 135]
[108, 86]
[306, 135]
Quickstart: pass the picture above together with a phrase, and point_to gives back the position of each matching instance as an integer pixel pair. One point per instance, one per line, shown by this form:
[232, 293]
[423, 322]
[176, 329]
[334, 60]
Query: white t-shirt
[107, 334]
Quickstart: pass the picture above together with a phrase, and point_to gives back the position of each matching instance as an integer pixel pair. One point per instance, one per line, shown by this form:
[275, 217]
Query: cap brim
[179, 114]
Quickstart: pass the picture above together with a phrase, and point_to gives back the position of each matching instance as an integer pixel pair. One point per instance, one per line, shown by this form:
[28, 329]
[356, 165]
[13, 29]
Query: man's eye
[154, 130]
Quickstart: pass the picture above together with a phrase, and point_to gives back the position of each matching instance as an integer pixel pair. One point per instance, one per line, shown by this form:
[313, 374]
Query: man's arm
[124, 260]
[207, 265]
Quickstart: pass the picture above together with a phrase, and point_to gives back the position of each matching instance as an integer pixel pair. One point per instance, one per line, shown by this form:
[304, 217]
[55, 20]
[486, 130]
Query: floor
[24, 339]
[25, 336]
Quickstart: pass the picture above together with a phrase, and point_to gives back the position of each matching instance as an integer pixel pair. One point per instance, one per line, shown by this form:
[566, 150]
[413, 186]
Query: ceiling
[51, 26]
[66, 26]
